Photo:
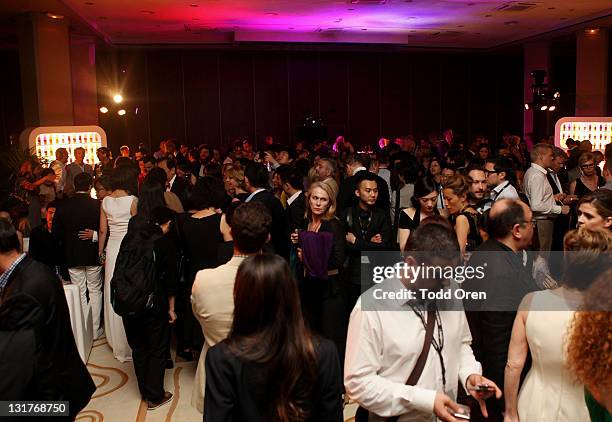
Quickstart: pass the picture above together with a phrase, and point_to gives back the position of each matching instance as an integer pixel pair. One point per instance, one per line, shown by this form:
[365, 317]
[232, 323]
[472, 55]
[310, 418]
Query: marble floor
[117, 397]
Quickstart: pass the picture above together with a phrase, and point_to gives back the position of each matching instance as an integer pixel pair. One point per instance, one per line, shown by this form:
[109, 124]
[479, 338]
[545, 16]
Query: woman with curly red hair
[589, 351]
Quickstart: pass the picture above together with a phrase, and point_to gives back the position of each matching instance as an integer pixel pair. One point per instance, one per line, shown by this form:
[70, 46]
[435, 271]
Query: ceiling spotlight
[592, 31]
[103, 110]
[117, 98]
[55, 15]
[544, 108]
[527, 106]
[552, 108]
[121, 112]
[556, 95]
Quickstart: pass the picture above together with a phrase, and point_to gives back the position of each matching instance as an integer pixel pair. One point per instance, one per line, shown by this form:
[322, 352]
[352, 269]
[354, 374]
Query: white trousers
[89, 279]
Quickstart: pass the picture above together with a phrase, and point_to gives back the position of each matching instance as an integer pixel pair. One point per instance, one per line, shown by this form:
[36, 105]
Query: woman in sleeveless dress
[550, 391]
[464, 216]
[589, 180]
[115, 213]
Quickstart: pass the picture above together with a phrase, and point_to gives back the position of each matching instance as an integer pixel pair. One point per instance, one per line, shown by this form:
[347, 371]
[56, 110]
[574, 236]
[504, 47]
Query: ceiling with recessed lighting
[427, 23]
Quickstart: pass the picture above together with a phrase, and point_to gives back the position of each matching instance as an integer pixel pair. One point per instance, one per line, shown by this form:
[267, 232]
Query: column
[591, 72]
[84, 82]
[44, 55]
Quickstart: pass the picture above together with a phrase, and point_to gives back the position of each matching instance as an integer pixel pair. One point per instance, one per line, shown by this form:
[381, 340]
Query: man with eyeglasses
[507, 280]
[499, 173]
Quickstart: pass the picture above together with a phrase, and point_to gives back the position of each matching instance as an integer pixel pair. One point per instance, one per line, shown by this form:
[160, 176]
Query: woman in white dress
[115, 213]
[550, 392]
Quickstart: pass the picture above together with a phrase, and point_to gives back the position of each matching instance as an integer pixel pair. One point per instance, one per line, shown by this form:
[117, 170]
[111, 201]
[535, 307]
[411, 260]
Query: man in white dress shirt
[541, 196]
[385, 339]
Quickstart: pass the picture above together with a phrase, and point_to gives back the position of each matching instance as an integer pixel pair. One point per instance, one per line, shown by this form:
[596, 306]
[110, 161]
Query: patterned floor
[117, 397]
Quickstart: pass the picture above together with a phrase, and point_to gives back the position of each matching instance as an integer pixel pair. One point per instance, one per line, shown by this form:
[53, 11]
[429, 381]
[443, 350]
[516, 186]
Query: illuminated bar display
[44, 141]
[597, 130]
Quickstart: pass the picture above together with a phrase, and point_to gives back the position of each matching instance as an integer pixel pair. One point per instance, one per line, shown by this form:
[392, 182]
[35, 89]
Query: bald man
[507, 280]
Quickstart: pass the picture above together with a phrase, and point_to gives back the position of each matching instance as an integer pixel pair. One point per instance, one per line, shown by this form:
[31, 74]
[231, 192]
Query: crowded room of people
[300, 211]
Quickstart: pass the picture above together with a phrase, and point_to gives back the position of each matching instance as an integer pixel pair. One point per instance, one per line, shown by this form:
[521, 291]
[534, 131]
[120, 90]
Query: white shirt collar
[171, 182]
[253, 194]
[358, 169]
[293, 197]
[539, 168]
[501, 186]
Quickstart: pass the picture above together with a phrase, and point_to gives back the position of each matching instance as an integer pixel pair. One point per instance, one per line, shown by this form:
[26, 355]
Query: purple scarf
[316, 250]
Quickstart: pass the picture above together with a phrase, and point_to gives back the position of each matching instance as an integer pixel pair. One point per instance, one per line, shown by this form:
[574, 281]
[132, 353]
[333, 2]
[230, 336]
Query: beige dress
[550, 391]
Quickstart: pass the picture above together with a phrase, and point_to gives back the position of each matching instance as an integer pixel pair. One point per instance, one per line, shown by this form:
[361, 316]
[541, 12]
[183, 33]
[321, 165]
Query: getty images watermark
[498, 281]
[412, 274]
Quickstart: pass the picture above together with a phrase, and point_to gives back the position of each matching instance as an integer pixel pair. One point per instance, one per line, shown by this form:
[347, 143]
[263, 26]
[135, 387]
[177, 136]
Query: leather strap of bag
[362, 414]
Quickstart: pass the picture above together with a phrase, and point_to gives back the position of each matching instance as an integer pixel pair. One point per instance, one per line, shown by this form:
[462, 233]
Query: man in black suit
[256, 182]
[174, 183]
[507, 279]
[292, 184]
[81, 212]
[34, 317]
[367, 227]
[346, 195]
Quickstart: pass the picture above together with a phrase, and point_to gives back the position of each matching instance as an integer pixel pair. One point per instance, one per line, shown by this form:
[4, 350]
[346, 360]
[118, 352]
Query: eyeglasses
[532, 222]
[587, 166]
[487, 172]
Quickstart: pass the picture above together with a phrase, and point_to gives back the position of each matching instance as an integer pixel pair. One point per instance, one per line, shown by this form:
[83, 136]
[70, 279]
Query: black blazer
[295, 212]
[346, 193]
[380, 224]
[279, 232]
[58, 373]
[181, 188]
[506, 283]
[237, 391]
[73, 215]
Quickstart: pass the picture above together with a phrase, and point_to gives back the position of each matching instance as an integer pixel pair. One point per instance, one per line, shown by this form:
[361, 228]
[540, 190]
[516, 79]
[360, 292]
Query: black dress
[200, 239]
[322, 301]
[474, 239]
[405, 222]
[581, 189]
[238, 391]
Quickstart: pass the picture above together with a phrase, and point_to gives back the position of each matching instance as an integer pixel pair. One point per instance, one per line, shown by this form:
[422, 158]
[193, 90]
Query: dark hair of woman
[268, 329]
[423, 187]
[151, 197]
[157, 174]
[208, 192]
[406, 171]
[126, 178]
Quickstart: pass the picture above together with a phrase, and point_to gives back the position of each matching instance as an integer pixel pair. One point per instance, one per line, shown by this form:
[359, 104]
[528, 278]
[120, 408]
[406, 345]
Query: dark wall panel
[334, 92]
[237, 109]
[364, 99]
[270, 82]
[395, 91]
[483, 98]
[303, 87]
[201, 98]
[166, 99]
[425, 94]
[455, 95]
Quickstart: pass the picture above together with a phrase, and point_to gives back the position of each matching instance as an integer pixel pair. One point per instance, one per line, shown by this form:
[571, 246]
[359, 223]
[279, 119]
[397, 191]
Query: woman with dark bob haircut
[271, 368]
